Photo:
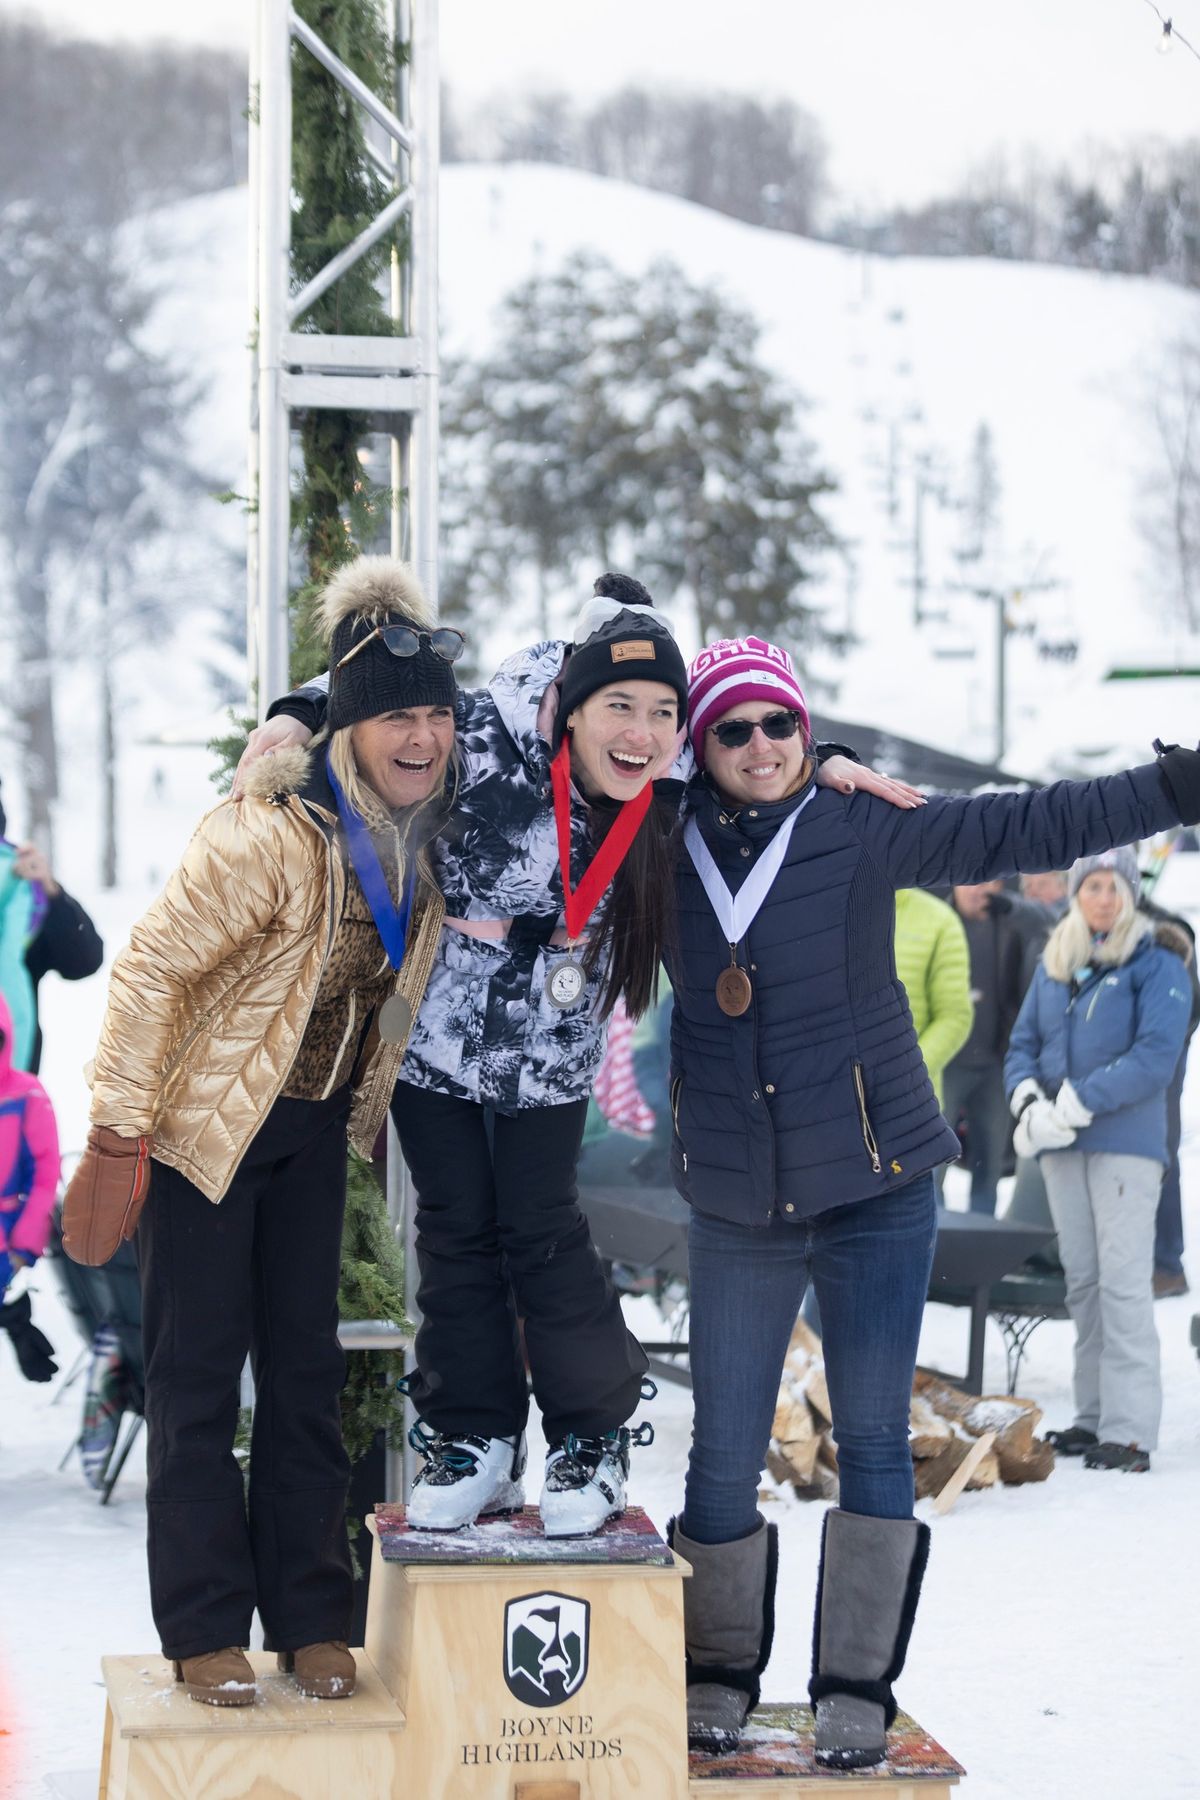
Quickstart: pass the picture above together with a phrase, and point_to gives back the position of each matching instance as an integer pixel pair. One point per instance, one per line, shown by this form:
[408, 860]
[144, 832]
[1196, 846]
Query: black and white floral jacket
[486, 1031]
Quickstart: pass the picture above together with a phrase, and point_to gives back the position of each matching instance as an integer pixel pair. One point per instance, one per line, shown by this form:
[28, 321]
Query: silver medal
[395, 1019]
[565, 982]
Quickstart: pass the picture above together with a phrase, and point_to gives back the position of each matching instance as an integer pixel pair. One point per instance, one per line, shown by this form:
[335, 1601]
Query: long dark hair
[638, 924]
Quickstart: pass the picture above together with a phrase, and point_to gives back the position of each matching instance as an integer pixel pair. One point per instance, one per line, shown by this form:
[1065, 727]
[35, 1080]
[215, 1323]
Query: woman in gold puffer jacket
[258, 1016]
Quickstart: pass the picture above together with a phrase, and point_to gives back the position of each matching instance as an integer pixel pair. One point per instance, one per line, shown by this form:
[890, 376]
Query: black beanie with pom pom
[619, 637]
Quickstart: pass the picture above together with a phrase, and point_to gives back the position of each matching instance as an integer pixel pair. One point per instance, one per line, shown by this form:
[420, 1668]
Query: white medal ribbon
[736, 913]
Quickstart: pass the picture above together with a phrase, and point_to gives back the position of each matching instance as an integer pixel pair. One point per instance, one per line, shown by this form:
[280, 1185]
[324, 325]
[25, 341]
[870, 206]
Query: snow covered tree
[88, 425]
[630, 418]
[981, 500]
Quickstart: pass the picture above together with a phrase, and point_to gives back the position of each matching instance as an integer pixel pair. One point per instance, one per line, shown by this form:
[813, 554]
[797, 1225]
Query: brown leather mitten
[105, 1195]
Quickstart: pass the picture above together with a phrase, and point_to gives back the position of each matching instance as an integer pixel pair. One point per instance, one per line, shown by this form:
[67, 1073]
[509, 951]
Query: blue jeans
[870, 1263]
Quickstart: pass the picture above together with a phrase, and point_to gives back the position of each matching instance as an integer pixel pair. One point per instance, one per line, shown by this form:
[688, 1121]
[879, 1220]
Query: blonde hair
[415, 823]
[1072, 947]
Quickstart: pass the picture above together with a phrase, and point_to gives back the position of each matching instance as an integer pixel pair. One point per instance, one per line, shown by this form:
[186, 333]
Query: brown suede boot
[218, 1678]
[322, 1671]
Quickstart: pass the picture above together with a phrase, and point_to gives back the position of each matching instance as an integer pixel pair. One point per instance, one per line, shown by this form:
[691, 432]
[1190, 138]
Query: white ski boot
[585, 1481]
[464, 1478]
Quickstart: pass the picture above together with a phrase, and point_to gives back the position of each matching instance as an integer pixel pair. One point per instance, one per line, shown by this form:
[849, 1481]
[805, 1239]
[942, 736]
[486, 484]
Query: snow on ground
[1055, 1651]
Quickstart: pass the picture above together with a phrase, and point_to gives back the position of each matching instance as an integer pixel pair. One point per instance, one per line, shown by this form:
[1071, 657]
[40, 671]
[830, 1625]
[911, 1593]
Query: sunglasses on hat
[735, 734]
[406, 640]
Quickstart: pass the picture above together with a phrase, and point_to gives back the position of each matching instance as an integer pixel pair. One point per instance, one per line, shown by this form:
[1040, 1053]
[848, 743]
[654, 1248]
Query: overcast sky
[908, 91]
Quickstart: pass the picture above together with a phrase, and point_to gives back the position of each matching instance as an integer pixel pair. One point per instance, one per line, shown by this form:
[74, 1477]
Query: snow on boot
[867, 1593]
[728, 1624]
[585, 1483]
[464, 1478]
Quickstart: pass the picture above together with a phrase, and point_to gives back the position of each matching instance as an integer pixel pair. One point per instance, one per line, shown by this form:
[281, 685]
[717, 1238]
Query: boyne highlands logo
[545, 1648]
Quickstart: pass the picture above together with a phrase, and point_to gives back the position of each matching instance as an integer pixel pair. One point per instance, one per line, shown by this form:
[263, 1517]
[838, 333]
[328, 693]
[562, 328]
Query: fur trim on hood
[375, 587]
[1173, 937]
[280, 772]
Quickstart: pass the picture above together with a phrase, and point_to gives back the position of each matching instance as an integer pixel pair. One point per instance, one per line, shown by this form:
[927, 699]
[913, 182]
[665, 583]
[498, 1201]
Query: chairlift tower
[393, 379]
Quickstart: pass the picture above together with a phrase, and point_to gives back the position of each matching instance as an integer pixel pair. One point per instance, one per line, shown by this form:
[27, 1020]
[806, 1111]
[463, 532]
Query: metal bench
[977, 1264]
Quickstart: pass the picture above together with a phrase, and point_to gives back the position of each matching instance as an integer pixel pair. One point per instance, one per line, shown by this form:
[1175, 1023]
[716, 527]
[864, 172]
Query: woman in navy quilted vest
[806, 1136]
[1089, 1063]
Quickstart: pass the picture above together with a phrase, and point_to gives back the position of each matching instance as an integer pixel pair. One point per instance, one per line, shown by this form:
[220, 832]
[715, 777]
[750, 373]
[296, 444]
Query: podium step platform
[499, 1665]
[776, 1759]
[160, 1745]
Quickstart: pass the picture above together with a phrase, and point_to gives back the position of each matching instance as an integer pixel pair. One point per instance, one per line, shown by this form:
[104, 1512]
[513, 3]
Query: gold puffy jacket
[208, 1005]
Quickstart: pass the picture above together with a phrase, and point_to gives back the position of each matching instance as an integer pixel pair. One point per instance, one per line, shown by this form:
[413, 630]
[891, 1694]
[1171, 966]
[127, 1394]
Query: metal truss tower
[392, 379]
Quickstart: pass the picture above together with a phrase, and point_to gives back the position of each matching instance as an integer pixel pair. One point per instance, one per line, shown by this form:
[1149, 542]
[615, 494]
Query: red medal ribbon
[580, 905]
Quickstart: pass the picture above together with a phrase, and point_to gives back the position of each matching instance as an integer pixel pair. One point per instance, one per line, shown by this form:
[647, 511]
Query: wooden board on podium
[522, 1661]
[775, 1761]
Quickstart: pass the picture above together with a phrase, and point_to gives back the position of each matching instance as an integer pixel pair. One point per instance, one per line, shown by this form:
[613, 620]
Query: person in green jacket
[935, 969]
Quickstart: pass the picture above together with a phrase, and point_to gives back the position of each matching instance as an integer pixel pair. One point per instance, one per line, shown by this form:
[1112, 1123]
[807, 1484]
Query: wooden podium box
[521, 1661]
[499, 1665]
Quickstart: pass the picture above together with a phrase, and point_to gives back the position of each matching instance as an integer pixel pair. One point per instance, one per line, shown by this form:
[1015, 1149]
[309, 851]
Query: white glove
[1069, 1109]
[1029, 1089]
[1040, 1128]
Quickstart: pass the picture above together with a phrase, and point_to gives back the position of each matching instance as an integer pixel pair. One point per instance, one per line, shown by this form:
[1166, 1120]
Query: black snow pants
[500, 1236]
[256, 1274]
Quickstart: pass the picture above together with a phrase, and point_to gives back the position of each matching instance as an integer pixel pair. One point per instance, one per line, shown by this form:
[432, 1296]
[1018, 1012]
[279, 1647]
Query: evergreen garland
[339, 191]
[371, 1287]
[335, 512]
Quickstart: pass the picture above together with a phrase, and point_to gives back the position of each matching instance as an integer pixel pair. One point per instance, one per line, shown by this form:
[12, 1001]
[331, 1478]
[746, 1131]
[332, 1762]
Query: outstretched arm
[975, 839]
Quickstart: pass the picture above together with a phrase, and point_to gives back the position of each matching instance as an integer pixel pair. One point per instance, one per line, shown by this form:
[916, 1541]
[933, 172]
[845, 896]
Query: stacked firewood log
[959, 1441]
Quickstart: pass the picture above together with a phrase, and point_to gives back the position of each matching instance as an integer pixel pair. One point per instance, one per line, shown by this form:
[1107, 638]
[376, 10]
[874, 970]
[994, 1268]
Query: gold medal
[395, 1019]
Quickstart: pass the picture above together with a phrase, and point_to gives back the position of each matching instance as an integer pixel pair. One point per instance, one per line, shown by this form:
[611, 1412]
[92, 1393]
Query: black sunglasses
[406, 640]
[735, 734]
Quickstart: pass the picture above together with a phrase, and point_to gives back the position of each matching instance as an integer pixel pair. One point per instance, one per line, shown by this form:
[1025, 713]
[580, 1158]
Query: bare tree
[1171, 495]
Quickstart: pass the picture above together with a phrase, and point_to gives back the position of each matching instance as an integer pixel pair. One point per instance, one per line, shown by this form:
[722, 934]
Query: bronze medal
[395, 1019]
[734, 992]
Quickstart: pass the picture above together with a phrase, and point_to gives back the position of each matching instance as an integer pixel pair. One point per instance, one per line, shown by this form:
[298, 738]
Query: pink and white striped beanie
[733, 671]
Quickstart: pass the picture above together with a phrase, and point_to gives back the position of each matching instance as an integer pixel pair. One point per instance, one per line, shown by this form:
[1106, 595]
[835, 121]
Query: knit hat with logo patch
[734, 672]
[619, 636]
[1121, 861]
[372, 591]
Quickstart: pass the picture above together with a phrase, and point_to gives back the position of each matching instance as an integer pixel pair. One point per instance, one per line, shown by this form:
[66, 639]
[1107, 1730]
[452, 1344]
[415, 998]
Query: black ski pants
[500, 1237]
[256, 1274]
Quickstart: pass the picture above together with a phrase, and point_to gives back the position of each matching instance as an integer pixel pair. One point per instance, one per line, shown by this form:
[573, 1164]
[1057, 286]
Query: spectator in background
[28, 1184]
[62, 941]
[934, 967]
[1048, 901]
[1092, 1054]
[998, 928]
[21, 907]
[1169, 1278]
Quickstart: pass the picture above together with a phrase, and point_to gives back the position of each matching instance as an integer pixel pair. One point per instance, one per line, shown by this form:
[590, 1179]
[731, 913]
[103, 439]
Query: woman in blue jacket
[806, 1136]
[1088, 1067]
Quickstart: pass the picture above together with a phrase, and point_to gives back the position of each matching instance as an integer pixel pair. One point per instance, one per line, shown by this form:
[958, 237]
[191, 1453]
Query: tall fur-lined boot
[728, 1625]
[867, 1593]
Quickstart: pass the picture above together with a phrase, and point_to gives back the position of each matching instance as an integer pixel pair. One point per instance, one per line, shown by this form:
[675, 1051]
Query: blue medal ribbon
[391, 921]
